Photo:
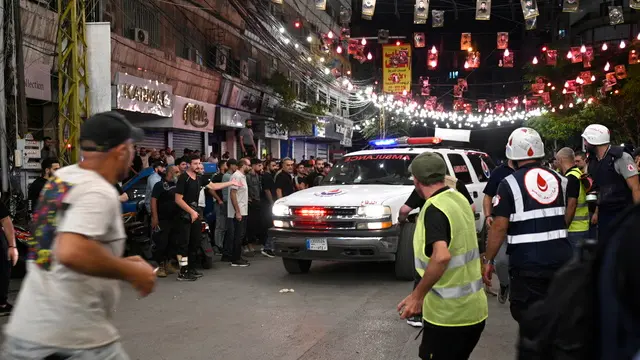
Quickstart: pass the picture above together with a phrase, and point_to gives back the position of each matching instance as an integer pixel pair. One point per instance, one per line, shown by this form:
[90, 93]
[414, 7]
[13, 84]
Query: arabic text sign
[396, 70]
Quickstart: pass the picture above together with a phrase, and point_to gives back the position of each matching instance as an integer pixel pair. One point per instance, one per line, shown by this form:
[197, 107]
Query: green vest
[458, 298]
[581, 219]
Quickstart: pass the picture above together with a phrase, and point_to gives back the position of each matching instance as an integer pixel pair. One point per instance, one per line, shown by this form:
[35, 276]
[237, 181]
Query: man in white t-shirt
[237, 211]
[71, 289]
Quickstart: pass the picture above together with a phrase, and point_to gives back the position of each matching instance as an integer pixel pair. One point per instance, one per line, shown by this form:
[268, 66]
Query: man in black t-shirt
[318, 171]
[187, 194]
[8, 258]
[164, 213]
[49, 166]
[284, 180]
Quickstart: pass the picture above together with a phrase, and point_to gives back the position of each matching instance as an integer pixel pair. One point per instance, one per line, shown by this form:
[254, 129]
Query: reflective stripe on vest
[580, 220]
[457, 298]
[537, 214]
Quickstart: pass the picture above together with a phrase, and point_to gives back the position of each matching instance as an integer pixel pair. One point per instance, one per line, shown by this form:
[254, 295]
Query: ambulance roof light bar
[405, 141]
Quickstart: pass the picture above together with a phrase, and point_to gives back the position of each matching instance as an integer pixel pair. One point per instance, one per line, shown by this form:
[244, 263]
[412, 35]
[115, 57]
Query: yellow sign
[396, 70]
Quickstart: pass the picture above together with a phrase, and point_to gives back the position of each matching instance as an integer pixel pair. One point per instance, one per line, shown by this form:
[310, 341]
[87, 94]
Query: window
[252, 69]
[460, 168]
[482, 165]
[142, 17]
[383, 169]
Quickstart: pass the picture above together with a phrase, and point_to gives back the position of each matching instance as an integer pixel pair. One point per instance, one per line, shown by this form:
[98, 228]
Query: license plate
[317, 245]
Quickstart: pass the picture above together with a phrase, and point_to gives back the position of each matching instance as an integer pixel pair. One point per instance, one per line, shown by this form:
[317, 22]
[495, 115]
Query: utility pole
[21, 97]
[4, 159]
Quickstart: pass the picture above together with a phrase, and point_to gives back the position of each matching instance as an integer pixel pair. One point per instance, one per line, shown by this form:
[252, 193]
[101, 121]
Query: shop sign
[269, 105]
[143, 96]
[193, 115]
[37, 81]
[233, 118]
[346, 130]
[275, 131]
[244, 99]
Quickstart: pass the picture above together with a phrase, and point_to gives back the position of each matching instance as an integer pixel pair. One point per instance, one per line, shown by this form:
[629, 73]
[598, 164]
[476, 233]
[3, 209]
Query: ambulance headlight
[280, 210]
[374, 211]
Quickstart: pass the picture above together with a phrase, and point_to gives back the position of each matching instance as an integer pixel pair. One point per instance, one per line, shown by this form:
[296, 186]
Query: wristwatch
[487, 261]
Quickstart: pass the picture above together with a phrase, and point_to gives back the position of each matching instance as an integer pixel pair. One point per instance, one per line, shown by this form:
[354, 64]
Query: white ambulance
[353, 215]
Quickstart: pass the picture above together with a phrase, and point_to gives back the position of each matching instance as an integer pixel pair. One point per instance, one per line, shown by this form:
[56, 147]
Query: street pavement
[339, 311]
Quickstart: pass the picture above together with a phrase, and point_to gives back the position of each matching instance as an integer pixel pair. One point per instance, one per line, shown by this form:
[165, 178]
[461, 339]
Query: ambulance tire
[404, 266]
[295, 266]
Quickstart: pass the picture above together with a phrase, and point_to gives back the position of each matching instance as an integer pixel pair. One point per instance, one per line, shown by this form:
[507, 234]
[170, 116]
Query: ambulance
[353, 214]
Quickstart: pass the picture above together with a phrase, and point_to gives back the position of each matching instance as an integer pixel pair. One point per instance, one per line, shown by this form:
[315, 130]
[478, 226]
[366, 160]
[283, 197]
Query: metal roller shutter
[311, 151]
[154, 139]
[322, 151]
[192, 140]
[298, 150]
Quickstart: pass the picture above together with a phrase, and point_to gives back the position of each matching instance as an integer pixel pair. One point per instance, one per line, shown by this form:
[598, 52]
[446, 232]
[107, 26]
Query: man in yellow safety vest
[577, 212]
[450, 295]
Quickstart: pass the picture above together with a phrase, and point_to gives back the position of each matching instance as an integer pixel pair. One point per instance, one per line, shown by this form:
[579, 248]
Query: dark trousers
[5, 269]
[163, 239]
[250, 151]
[189, 240]
[234, 237]
[525, 291]
[449, 342]
[255, 224]
[605, 219]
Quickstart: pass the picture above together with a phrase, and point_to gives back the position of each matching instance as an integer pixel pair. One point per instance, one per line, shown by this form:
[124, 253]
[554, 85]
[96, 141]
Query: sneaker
[162, 272]
[415, 321]
[196, 273]
[504, 294]
[240, 263]
[186, 276]
[170, 268]
[268, 253]
[6, 309]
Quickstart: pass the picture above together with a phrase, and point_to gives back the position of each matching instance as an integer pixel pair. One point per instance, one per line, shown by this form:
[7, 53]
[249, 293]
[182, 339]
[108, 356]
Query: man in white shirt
[237, 210]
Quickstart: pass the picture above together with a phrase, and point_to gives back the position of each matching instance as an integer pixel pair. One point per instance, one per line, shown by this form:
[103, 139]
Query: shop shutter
[311, 151]
[153, 139]
[298, 150]
[192, 140]
[322, 151]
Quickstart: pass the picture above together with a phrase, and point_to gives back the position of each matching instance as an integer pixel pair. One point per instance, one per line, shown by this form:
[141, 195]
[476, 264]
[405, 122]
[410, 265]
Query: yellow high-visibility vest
[458, 298]
[580, 221]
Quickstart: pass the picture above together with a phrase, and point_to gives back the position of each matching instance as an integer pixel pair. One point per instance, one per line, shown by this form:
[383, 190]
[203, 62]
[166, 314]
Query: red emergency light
[311, 212]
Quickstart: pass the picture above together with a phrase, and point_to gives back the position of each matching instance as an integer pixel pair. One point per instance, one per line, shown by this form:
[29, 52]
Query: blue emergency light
[405, 141]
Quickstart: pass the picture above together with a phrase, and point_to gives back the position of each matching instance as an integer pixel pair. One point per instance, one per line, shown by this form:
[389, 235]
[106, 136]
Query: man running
[71, 289]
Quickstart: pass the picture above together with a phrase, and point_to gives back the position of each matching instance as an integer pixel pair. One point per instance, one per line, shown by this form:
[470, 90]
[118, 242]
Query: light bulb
[433, 64]
[369, 56]
[506, 52]
[604, 47]
[548, 84]
[593, 78]
[583, 49]
[564, 91]
[561, 107]
[569, 55]
[433, 50]
[622, 44]
[339, 50]
[570, 105]
[327, 71]
[544, 48]
[309, 59]
[466, 65]
[535, 61]
[330, 35]
[363, 42]
[309, 39]
[295, 46]
[607, 66]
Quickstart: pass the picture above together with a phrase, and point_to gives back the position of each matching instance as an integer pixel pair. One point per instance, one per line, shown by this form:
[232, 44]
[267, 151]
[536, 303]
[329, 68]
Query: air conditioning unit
[141, 36]
[195, 56]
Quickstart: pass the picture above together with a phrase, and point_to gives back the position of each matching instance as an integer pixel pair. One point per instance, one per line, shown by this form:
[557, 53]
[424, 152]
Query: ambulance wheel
[295, 266]
[404, 266]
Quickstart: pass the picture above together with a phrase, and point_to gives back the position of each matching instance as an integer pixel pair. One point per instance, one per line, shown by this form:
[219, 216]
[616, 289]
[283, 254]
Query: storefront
[146, 103]
[41, 111]
[193, 121]
[313, 143]
[269, 135]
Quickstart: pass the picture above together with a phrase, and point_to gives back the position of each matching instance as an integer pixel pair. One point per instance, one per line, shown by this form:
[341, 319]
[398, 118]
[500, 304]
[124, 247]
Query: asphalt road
[338, 312]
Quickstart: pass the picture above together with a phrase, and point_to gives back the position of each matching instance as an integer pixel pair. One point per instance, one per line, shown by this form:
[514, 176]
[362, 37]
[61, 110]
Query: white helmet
[524, 144]
[596, 134]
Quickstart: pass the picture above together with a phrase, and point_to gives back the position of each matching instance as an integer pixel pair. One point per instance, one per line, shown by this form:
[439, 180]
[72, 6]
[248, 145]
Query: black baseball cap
[106, 130]
[232, 162]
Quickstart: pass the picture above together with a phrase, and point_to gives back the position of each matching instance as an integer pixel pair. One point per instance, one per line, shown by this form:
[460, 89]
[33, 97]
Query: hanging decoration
[621, 72]
[345, 15]
[576, 55]
[503, 40]
[482, 105]
[587, 57]
[421, 12]
[585, 78]
[529, 8]
[352, 49]
[633, 57]
[425, 89]
[570, 5]
[457, 91]
[432, 58]
[634, 4]
[538, 87]
[419, 40]
[437, 20]
[483, 9]
[552, 57]
[321, 5]
[462, 83]
[396, 70]
[383, 36]
[368, 8]
[531, 24]
[430, 103]
[465, 41]
[615, 15]
[473, 59]
[507, 59]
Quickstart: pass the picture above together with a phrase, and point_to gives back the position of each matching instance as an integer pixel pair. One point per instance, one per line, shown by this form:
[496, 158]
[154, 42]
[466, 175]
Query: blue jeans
[17, 349]
[576, 237]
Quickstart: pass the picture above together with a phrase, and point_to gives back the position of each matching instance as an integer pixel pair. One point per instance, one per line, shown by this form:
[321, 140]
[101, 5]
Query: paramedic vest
[537, 234]
[580, 220]
[613, 191]
[457, 299]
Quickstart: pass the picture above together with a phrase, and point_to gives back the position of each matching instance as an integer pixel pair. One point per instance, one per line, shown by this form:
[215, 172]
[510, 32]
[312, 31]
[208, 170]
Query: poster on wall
[396, 70]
